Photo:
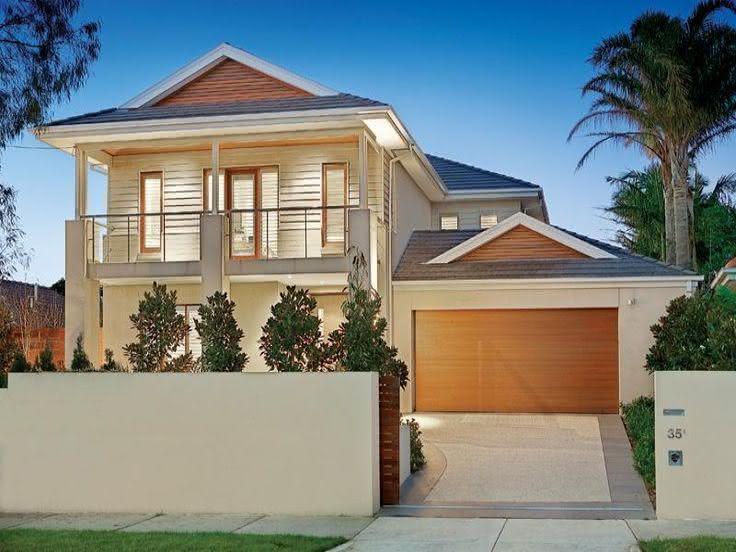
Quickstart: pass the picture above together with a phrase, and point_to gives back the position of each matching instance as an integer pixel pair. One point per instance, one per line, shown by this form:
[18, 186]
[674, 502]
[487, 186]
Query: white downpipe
[390, 247]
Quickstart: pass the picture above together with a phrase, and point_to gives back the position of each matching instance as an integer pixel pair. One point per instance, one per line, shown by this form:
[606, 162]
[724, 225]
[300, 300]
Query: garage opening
[525, 360]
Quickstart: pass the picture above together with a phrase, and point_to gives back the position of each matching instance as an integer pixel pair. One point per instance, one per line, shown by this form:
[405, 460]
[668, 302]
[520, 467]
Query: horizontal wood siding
[300, 185]
[536, 360]
[521, 243]
[469, 212]
[231, 81]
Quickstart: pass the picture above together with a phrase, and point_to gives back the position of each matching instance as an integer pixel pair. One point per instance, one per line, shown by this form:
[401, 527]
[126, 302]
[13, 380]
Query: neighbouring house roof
[49, 304]
[124, 114]
[426, 245]
[459, 176]
[726, 276]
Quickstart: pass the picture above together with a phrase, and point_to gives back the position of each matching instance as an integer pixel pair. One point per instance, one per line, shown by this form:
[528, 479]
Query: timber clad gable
[231, 81]
[521, 243]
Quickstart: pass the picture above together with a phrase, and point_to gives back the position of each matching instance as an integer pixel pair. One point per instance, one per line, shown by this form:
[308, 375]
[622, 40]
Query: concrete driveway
[524, 462]
[517, 458]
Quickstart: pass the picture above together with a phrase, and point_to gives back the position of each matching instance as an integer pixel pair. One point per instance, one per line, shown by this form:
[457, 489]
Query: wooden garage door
[542, 360]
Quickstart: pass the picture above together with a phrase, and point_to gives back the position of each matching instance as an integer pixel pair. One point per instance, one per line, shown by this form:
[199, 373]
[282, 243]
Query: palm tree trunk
[668, 254]
[681, 210]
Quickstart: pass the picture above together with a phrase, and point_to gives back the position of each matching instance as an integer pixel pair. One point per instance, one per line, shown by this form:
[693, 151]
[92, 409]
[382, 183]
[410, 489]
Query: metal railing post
[128, 221]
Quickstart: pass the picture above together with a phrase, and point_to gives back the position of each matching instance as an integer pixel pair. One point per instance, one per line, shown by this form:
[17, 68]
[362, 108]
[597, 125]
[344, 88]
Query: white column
[363, 171]
[211, 236]
[81, 299]
[215, 176]
[80, 183]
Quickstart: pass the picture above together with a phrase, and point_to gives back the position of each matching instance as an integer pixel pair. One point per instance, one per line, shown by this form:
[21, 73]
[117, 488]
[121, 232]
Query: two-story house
[234, 174]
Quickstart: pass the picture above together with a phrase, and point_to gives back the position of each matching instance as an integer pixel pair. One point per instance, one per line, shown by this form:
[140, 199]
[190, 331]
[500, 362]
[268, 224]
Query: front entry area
[517, 360]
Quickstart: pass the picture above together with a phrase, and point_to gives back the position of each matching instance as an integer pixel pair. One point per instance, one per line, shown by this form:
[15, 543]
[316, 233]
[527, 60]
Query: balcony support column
[81, 297]
[215, 176]
[363, 171]
[80, 182]
[362, 240]
[212, 254]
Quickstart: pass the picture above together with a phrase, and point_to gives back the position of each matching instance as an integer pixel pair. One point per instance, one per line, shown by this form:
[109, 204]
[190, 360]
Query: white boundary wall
[219, 443]
[701, 422]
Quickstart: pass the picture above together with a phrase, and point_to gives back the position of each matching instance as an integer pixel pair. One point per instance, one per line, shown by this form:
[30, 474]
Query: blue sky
[493, 84]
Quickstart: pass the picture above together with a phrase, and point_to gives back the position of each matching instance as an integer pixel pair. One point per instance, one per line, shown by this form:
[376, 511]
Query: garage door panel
[540, 360]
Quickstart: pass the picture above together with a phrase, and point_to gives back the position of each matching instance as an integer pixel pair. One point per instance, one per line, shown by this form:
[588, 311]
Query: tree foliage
[160, 330]
[696, 333]
[45, 360]
[80, 360]
[358, 344]
[666, 86]
[637, 206]
[110, 364]
[220, 335]
[44, 57]
[292, 340]
[8, 344]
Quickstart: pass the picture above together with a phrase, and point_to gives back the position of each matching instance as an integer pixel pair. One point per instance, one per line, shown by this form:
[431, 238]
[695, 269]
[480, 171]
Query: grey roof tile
[459, 176]
[117, 115]
[427, 244]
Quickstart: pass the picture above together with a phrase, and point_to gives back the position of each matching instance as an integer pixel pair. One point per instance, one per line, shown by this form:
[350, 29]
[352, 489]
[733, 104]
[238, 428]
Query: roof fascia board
[512, 222]
[547, 283]
[499, 193]
[214, 125]
[195, 68]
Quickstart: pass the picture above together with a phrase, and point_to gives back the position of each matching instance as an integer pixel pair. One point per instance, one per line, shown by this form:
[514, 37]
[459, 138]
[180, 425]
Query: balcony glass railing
[277, 233]
[139, 237]
[287, 232]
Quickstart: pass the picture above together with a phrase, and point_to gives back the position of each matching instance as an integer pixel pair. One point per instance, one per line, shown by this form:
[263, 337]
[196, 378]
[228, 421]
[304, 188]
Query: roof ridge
[494, 173]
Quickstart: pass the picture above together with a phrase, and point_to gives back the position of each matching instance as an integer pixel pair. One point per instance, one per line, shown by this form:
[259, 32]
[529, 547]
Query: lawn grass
[694, 544]
[21, 540]
[639, 421]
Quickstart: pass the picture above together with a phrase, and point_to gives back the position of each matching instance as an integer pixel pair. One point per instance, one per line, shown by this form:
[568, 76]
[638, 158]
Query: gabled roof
[521, 219]
[426, 245]
[119, 115]
[461, 177]
[202, 64]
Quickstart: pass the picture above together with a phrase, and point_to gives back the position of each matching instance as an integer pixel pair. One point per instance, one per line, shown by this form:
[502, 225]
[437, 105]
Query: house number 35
[675, 433]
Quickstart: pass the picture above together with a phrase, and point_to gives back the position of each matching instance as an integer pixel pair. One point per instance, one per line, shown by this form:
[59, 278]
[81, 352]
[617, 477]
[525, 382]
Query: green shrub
[638, 418]
[696, 333]
[45, 360]
[291, 339]
[20, 364]
[220, 336]
[8, 345]
[182, 363]
[358, 344]
[160, 330]
[110, 364]
[80, 360]
[416, 454]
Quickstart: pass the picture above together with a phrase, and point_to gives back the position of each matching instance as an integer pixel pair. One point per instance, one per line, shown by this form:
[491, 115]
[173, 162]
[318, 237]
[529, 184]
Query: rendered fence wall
[220, 443]
[696, 417]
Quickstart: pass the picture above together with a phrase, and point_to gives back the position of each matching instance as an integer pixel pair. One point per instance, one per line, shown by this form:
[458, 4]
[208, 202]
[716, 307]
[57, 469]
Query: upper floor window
[151, 207]
[191, 342]
[334, 194]
[448, 222]
[486, 221]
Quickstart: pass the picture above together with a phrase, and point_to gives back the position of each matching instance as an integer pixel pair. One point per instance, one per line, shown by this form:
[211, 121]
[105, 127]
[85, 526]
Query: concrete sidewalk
[398, 533]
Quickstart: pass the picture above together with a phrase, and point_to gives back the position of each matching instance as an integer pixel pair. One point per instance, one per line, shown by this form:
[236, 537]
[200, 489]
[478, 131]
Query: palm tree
[637, 207]
[668, 87]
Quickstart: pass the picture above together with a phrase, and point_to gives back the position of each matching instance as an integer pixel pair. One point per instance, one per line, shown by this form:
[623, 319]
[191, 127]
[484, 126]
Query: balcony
[255, 241]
